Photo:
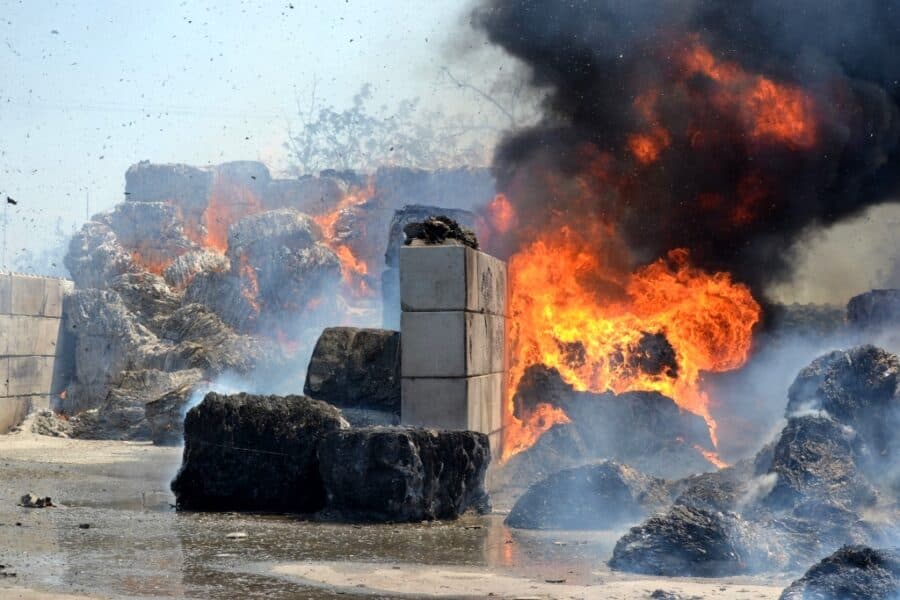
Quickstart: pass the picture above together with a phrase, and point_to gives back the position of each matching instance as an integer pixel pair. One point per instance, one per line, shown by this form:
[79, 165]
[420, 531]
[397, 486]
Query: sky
[89, 88]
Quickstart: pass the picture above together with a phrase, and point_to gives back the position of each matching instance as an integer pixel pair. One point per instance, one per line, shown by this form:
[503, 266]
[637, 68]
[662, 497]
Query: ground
[114, 534]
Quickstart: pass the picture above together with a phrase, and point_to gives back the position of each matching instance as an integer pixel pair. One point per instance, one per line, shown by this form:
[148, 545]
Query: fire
[501, 214]
[572, 310]
[646, 147]
[249, 283]
[228, 203]
[148, 262]
[353, 269]
[769, 110]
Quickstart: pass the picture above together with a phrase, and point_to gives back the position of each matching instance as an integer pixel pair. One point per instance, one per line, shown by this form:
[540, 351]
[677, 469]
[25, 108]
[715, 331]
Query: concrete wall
[35, 359]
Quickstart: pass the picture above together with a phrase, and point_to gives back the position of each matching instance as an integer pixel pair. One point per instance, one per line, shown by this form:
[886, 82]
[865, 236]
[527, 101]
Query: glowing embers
[572, 311]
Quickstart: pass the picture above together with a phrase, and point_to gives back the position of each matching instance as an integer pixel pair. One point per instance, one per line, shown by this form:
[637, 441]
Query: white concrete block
[5, 293]
[467, 403]
[451, 344]
[27, 295]
[6, 333]
[449, 277]
[54, 291]
[4, 376]
[30, 375]
[29, 336]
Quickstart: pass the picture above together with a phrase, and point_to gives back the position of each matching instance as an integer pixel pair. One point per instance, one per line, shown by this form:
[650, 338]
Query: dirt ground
[114, 534]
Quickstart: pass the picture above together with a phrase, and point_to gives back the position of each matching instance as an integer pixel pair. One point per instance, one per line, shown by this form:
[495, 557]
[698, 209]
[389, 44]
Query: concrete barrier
[453, 327]
[35, 360]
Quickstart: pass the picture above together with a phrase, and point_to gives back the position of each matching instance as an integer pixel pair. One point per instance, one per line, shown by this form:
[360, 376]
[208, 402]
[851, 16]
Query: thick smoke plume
[723, 127]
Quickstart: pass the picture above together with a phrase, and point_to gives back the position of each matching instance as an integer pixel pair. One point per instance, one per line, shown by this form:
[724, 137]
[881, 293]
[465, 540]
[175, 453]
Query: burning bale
[403, 474]
[356, 370]
[645, 430]
[597, 496]
[254, 453]
[851, 573]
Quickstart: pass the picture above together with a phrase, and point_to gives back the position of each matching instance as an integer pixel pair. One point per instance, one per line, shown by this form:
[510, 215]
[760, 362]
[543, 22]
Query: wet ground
[116, 535]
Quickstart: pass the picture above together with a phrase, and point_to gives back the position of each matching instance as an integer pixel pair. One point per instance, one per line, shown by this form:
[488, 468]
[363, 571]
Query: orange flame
[353, 268]
[249, 283]
[150, 262]
[564, 296]
[501, 214]
[228, 203]
[770, 110]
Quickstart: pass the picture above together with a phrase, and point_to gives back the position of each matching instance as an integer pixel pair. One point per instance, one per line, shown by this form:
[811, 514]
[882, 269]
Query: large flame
[563, 316]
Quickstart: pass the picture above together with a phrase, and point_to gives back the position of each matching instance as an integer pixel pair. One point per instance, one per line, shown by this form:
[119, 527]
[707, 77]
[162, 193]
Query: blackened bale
[596, 496]
[403, 474]
[254, 453]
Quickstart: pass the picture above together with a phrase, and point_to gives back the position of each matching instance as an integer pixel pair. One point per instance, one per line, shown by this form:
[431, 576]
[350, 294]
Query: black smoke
[593, 59]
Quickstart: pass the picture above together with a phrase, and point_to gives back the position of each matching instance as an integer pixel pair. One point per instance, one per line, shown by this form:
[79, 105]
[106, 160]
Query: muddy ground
[115, 534]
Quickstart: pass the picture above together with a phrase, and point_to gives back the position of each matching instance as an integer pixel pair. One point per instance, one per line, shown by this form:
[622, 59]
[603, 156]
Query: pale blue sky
[88, 88]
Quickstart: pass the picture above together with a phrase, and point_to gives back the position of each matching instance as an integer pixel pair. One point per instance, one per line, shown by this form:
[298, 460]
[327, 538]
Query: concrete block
[54, 291]
[4, 376]
[13, 412]
[29, 336]
[6, 333]
[468, 403]
[443, 278]
[28, 295]
[451, 344]
[5, 293]
[30, 375]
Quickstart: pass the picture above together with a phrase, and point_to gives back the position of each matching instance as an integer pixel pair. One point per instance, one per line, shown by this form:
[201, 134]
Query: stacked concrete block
[453, 324]
[34, 362]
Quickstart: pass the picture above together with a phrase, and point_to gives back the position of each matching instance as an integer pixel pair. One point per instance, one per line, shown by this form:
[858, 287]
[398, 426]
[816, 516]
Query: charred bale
[356, 368]
[815, 460]
[254, 453]
[857, 387]
[596, 496]
[851, 573]
[403, 474]
[690, 541]
[875, 310]
[719, 491]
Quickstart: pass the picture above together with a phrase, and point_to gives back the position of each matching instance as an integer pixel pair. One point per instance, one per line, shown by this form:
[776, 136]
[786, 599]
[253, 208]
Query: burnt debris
[439, 230]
